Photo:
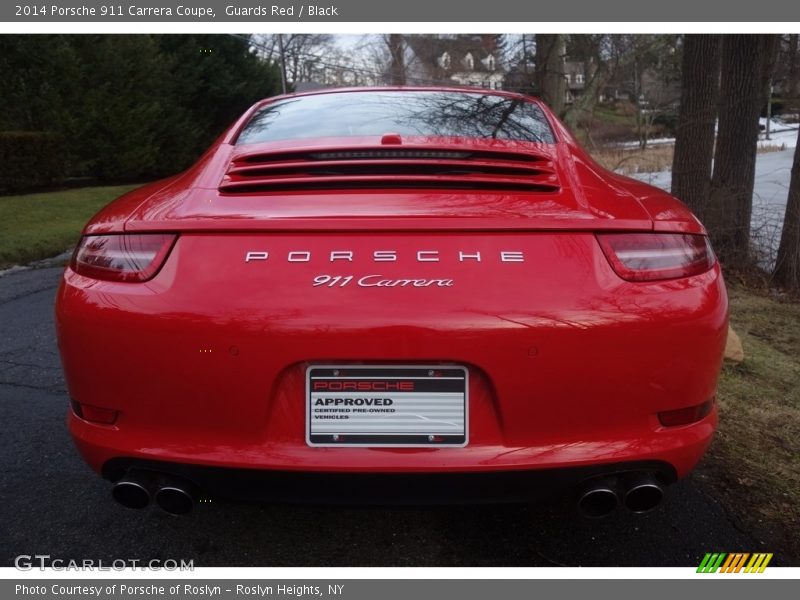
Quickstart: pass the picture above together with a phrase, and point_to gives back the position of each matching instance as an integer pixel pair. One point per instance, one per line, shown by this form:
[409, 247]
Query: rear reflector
[654, 256]
[95, 414]
[129, 258]
[684, 416]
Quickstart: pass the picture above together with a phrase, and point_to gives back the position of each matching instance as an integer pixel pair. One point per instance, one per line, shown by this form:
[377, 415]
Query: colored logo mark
[734, 562]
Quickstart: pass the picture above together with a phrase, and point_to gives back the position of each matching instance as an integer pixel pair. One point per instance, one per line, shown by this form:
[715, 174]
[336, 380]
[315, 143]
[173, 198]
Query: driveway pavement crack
[28, 365]
[43, 388]
[29, 293]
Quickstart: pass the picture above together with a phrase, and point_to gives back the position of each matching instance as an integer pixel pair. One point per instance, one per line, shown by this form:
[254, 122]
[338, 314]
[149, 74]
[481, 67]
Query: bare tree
[787, 266]
[301, 51]
[655, 75]
[398, 63]
[599, 64]
[731, 197]
[606, 57]
[694, 141]
[550, 81]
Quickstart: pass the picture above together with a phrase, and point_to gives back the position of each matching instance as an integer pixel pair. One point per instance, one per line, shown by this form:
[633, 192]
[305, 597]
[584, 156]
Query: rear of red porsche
[345, 317]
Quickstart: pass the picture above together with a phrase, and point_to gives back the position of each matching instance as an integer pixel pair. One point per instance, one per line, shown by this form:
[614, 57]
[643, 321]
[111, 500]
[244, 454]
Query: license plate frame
[429, 406]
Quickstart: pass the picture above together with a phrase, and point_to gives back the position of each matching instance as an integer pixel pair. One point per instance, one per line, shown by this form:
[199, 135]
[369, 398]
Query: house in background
[575, 76]
[468, 60]
[521, 78]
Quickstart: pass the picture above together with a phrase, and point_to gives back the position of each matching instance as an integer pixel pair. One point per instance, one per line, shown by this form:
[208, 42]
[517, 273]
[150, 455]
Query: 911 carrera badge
[377, 281]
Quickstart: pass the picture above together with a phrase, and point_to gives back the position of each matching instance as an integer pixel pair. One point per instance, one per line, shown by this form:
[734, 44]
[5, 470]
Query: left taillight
[125, 257]
[657, 256]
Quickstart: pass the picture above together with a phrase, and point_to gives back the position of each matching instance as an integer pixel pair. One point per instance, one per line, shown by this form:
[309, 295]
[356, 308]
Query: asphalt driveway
[51, 503]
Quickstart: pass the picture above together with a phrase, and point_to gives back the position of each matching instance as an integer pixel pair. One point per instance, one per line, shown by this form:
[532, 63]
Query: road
[51, 503]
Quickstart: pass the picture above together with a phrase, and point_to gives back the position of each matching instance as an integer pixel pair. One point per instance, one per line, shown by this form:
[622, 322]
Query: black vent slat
[399, 166]
[385, 168]
[381, 182]
[381, 152]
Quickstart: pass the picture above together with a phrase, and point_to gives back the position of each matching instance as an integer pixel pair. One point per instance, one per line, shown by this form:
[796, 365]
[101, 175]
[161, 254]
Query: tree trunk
[694, 140]
[398, 66]
[550, 51]
[585, 103]
[769, 60]
[793, 86]
[787, 267]
[730, 203]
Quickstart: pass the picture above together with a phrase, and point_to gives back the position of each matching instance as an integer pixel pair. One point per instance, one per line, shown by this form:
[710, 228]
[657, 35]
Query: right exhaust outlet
[176, 496]
[643, 493]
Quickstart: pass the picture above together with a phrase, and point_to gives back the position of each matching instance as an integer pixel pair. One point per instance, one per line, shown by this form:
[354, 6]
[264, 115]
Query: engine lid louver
[382, 168]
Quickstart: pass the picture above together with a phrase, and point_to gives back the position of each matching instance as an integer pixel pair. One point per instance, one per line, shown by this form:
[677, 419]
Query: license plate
[386, 406]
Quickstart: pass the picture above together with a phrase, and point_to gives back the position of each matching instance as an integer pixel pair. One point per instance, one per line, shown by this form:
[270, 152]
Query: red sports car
[393, 295]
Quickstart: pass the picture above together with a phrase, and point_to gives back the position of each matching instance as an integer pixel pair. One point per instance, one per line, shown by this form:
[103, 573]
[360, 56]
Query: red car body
[575, 374]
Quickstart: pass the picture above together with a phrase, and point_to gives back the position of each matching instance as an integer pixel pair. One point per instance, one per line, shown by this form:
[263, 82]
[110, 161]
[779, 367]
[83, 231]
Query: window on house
[579, 78]
[444, 61]
[490, 63]
[469, 61]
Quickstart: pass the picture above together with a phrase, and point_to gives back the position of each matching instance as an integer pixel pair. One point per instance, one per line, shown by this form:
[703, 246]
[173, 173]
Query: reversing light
[654, 256]
[684, 416]
[94, 414]
[125, 257]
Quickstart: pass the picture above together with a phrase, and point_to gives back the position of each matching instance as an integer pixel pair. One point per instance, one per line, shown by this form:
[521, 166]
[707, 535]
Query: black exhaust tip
[643, 494]
[176, 496]
[598, 499]
[134, 490]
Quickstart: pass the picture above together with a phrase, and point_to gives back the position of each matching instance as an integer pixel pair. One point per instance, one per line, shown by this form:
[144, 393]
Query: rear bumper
[568, 365]
[673, 451]
[337, 488]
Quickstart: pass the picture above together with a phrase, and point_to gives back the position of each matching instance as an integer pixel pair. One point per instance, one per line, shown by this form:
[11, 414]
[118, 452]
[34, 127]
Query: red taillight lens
[654, 256]
[122, 257]
[684, 416]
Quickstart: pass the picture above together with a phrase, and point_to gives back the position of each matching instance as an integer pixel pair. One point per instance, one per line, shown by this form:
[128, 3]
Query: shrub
[668, 121]
[30, 159]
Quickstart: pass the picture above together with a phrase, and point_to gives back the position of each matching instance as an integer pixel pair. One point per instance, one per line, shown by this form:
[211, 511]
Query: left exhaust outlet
[598, 498]
[135, 489]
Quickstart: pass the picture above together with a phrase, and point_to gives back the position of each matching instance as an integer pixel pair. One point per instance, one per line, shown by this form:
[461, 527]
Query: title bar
[465, 11]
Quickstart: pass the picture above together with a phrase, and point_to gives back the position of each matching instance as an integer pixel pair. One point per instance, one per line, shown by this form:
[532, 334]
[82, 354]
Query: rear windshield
[461, 114]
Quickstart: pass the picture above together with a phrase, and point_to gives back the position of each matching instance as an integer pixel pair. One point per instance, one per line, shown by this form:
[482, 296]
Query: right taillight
[655, 256]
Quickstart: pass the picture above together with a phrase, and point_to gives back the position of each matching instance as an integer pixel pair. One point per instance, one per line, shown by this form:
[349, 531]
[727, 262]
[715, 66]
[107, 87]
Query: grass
[766, 148]
[610, 114]
[36, 226]
[755, 457]
[629, 161]
[652, 159]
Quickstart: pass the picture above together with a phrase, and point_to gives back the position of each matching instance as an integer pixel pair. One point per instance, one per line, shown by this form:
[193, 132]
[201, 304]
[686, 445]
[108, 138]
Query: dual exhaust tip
[138, 488]
[639, 493]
